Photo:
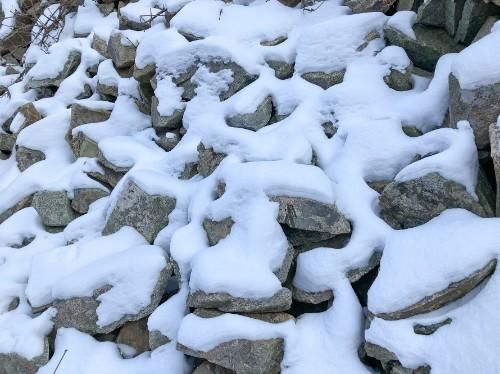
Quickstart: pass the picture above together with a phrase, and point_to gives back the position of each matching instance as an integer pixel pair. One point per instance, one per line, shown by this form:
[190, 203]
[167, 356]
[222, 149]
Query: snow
[403, 21]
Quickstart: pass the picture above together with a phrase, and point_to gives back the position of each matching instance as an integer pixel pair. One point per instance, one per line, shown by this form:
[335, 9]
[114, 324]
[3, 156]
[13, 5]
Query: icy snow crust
[369, 145]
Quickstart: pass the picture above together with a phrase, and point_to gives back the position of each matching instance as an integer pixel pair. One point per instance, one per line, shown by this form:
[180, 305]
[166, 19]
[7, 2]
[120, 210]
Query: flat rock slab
[148, 214]
[415, 202]
[453, 292]
[281, 301]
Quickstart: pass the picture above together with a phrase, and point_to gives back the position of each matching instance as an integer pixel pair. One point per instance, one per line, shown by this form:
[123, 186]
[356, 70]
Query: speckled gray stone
[255, 120]
[54, 208]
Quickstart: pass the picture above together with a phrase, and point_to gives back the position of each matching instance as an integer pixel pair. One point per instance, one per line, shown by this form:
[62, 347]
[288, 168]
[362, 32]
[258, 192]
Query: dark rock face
[83, 197]
[224, 302]
[453, 292]
[424, 51]
[26, 157]
[414, 202]
[390, 362]
[121, 50]
[255, 120]
[148, 214]
[430, 329]
[244, 356]
[474, 14]
[208, 160]
[480, 106]
[216, 231]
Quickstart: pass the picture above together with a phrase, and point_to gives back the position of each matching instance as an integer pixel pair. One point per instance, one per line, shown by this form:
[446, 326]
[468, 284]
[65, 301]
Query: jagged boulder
[474, 14]
[414, 202]
[54, 208]
[83, 197]
[254, 120]
[147, 213]
[282, 69]
[26, 157]
[480, 106]
[121, 50]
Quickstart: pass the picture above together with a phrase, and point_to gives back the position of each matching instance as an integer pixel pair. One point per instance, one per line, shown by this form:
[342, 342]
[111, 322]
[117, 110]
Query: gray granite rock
[453, 292]
[421, 329]
[144, 74]
[281, 301]
[486, 28]
[148, 214]
[83, 146]
[12, 363]
[167, 141]
[324, 79]
[474, 14]
[255, 120]
[400, 80]
[362, 6]
[308, 297]
[208, 368]
[217, 230]
[495, 155]
[69, 67]
[100, 45]
[135, 334]
[311, 215]
[54, 208]
[21, 204]
[80, 312]
[29, 114]
[157, 339]
[480, 106]
[244, 356]
[172, 121]
[82, 114]
[208, 160]
[25, 157]
[424, 51]
[121, 50]
[7, 142]
[390, 362]
[83, 197]
[414, 202]
[453, 14]
[282, 69]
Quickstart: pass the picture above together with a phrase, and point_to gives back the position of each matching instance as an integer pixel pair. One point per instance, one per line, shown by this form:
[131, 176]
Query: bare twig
[59, 363]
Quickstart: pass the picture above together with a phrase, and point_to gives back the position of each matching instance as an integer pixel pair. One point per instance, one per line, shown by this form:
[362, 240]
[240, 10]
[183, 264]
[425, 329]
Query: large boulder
[54, 208]
[480, 106]
[474, 14]
[428, 46]
[414, 202]
[82, 114]
[147, 213]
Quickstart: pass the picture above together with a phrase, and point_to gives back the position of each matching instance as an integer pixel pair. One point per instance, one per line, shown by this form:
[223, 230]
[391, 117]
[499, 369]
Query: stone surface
[414, 202]
[474, 14]
[84, 146]
[453, 14]
[209, 368]
[282, 69]
[109, 93]
[54, 208]
[70, 66]
[12, 363]
[255, 120]
[7, 142]
[495, 155]
[217, 230]
[168, 141]
[311, 215]
[30, 114]
[135, 334]
[244, 356]
[432, 13]
[25, 157]
[362, 6]
[170, 122]
[281, 301]
[100, 45]
[21, 204]
[148, 214]
[80, 312]
[400, 80]
[420, 329]
[121, 50]
[486, 28]
[157, 339]
[208, 160]
[480, 106]
[312, 297]
[389, 360]
[81, 115]
[83, 197]
[453, 292]
[144, 74]
[424, 51]
[324, 79]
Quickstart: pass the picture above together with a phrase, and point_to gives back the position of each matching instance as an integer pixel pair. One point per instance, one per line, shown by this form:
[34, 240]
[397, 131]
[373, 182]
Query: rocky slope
[199, 186]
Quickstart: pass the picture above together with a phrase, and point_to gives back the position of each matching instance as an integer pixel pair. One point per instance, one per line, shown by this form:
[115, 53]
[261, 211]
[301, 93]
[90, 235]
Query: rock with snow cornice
[70, 65]
[24, 116]
[474, 14]
[390, 361]
[311, 215]
[208, 160]
[100, 45]
[83, 197]
[82, 114]
[424, 51]
[453, 292]
[255, 120]
[172, 121]
[411, 203]
[12, 363]
[168, 141]
[400, 80]
[157, 339]
[280, 301]
[144, 74]
[80, 312]
[479, 106]
[121, 50]
[54, 208]
[147, 213]
[361, 6]
[26, 157]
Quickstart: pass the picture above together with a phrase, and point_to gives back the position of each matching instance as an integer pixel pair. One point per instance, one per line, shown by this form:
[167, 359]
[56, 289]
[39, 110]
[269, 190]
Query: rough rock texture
[480, 106]
[21, 204]
[135, 334]
[157, 339]
[244, 356]
[25, 157]
[474, 14]
[453, 292]
[414, 202]
[144, 74]
[311, 215]
[170, 122]
[100, 45]
[81, 114]
[495, 155]
[361, 6]
[282, 69]
[7, 142]
[54, 208]
[148, 214]
[432, 13]
[208, 160]
[84, 146]
[83, 197]
[255, 120]
[121, 50]
[30, 114]
[400, 80]
[424, 51]
[430, 329]
[70, 65]
[12, 363]
[209, 368]
[217, 230]
[323, 79]
[224, 302]
[390, 361]
[80, 312]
